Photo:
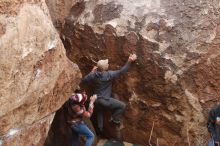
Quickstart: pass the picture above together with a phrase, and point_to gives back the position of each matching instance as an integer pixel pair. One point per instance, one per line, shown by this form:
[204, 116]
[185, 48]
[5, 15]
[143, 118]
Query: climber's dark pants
[217, 144]
[109, 103]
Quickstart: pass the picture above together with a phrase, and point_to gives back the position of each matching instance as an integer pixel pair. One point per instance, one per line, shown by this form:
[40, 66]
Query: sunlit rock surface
[36, 76]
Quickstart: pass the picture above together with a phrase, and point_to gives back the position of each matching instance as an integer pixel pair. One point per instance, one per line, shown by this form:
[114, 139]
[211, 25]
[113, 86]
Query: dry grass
[151, 132]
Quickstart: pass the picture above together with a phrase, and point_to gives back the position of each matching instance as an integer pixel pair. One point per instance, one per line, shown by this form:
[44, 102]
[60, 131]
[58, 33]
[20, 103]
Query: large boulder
[36, 76]
[176, 77]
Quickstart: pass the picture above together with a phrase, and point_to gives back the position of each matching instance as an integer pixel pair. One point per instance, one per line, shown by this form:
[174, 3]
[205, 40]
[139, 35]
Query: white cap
[102, 64]
[80, 97]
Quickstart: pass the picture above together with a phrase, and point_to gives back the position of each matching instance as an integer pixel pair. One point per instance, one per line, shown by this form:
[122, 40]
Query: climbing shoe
[116, 122]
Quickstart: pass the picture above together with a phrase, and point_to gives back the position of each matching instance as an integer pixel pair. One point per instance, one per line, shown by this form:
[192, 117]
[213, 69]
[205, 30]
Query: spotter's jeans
[81, 129]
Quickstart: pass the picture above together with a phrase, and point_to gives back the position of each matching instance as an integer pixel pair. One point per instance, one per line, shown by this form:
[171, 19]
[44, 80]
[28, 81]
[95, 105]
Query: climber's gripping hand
[132, 58]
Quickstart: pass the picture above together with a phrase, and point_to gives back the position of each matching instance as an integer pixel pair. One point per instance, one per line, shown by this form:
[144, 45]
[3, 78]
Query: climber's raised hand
[94, 69]
[132, 57]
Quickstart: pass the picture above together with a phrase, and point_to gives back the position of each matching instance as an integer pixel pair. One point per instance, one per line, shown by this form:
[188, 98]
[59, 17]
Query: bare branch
[151, 134]
[187, 133]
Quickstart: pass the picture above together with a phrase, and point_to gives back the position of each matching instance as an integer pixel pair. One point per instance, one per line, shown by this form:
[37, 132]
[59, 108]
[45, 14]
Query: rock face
[36, 76]
[177, 75]
[59, 10]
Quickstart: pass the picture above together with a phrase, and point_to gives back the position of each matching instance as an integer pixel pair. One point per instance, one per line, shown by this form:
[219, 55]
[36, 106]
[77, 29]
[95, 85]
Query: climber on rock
[75, 112]
[214, 124]
[102, 78]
